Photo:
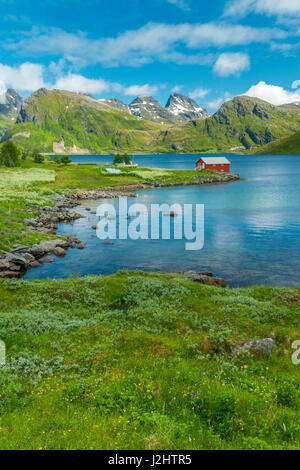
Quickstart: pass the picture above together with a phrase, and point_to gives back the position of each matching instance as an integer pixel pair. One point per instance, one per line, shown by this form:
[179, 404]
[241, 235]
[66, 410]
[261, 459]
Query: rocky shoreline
[16, 263]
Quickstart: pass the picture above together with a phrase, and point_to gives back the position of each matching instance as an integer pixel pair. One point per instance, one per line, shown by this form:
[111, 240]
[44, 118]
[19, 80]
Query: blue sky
[210, 51]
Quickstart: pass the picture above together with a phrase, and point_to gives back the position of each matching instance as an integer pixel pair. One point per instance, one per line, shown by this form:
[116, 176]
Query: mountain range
[179, 108]
[61, 121]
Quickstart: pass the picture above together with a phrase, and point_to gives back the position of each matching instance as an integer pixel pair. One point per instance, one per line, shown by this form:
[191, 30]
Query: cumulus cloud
[154, 41]
[140, 90]
[81, 84]
[198, 93]
[231, 63]
[25, 77]
[278, 8]
[273, 94]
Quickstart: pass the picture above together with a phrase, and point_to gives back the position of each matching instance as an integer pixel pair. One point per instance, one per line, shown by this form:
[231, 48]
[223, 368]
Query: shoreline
[16, 263]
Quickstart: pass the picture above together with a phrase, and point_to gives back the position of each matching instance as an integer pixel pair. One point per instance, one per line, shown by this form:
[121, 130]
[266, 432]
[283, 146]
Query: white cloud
[140, 90]
[198, 93]
[154, 41]
[180, 4]
[81, 84]
[278, 8]
[273, 94]
[25, 77]
[231, 63]
[177, 88]
[217, 102]
[296, 84]
[214, 104]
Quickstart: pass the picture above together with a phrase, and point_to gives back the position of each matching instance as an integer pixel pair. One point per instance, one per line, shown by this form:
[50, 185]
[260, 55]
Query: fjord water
[252, 227]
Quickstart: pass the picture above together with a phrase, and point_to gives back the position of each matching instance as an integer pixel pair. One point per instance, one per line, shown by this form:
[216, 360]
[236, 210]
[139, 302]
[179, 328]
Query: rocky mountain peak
[185, 108]
[146, 107]
[10, 102]
[115, 103]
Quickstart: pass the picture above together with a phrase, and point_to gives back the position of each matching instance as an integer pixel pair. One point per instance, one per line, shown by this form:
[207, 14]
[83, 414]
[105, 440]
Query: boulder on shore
[206, 278]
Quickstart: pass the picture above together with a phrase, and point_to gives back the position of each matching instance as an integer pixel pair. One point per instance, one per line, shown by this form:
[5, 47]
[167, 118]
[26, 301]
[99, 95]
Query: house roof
[214, 160]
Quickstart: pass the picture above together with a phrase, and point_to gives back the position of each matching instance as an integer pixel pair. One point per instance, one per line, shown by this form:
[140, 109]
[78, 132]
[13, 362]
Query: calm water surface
[252, 227]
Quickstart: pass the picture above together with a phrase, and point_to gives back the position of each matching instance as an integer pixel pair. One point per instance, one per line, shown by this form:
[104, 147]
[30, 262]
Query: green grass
[286, 146]
[111, 363]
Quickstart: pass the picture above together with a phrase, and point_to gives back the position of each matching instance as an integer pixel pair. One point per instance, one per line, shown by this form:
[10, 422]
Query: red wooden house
[213, 163]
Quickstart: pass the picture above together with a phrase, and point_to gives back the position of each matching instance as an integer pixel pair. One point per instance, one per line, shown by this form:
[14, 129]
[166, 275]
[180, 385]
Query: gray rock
[206, 279]
[81, 245]
[60, 252]
[47, 259]
[261, 347]
[35, 264]
[22, 260]
[4, 264]
[9, 274]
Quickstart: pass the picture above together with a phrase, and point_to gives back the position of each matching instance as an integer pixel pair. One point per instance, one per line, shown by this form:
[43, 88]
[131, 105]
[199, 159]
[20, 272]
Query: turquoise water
[252, 227]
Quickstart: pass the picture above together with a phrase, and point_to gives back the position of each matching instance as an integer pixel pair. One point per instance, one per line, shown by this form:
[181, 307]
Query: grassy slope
[287, 146]
[19, 192]
[111, 363]
[55, 115]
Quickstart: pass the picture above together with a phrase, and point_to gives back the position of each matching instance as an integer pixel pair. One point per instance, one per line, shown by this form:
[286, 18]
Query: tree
[9, 154]
[117, 159]
[126, 159]
[24, 156]
[56, 159]
[37, 157]
[65, 159]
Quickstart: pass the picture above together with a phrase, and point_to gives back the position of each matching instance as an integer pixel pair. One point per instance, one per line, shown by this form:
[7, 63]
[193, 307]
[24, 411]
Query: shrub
[37, 157]
[9, 155]
[222, 411]
[56, 159]
[65, 159]
[286, 394]
[253, 443]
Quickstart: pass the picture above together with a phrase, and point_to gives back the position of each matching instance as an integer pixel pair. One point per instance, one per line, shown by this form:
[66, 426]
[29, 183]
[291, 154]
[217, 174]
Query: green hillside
[288, 145]
[241, 123]
[53, 116]
[73, 119]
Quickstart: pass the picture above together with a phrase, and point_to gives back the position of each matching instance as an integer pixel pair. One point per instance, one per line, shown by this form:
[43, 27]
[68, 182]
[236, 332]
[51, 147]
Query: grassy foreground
[142, 361]
[22, 187]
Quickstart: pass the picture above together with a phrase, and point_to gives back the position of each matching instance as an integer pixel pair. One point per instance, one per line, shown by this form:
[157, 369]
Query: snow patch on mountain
[185, 107]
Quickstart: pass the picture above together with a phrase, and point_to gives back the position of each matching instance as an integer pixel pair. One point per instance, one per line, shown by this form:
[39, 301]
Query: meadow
[143, 361]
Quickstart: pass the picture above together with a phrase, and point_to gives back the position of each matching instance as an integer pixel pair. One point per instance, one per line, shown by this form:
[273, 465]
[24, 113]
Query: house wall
[224, 168]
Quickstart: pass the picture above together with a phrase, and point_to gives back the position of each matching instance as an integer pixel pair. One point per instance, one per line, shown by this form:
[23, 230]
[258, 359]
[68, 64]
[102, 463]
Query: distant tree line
[12, 156]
